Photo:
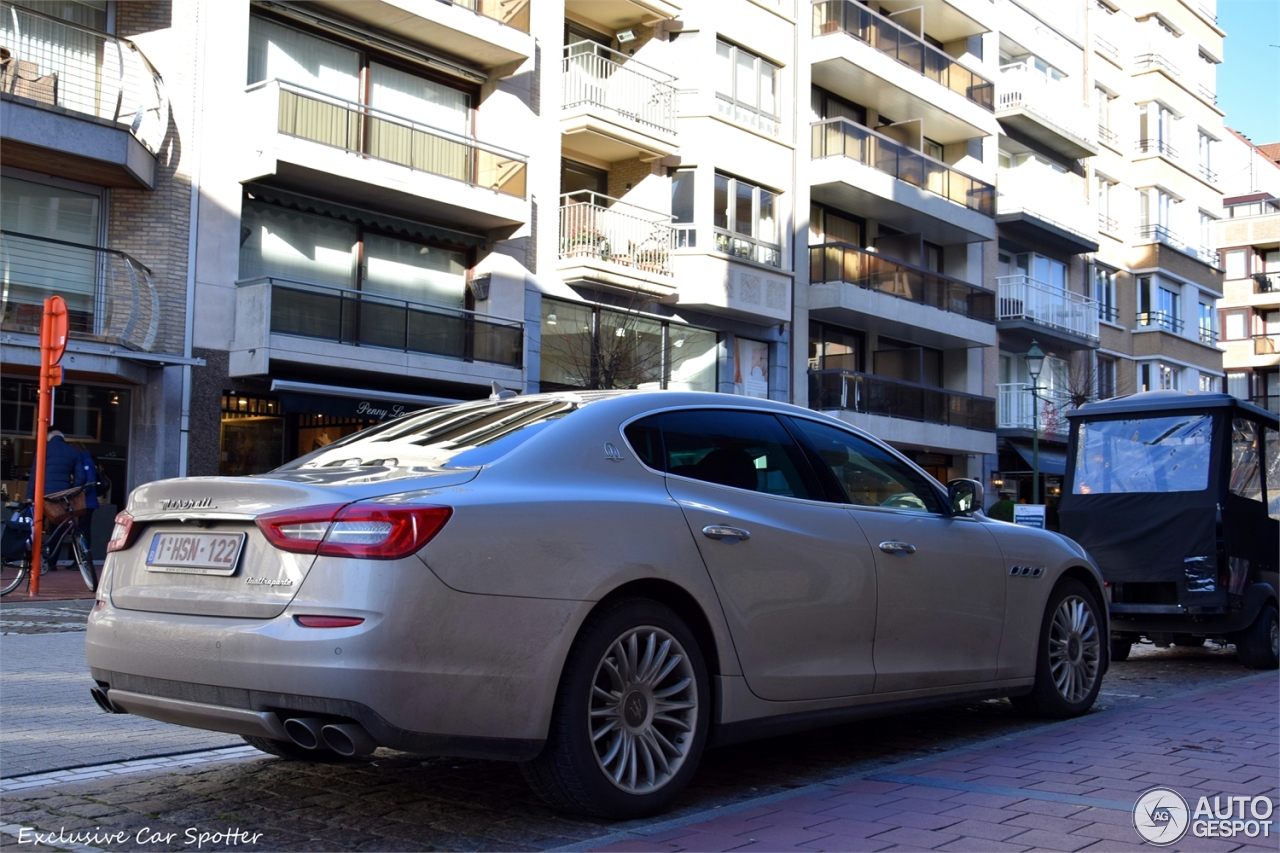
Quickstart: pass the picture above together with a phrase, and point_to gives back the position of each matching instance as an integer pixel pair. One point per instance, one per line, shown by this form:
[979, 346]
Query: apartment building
[1248, 240]
[95, 200]
[869, 208]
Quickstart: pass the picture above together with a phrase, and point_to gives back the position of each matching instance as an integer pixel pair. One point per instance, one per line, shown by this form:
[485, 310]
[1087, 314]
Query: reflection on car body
[596, 584]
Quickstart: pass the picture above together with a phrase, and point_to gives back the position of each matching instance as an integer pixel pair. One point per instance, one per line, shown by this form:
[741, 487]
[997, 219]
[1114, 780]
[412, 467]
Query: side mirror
[965, 496]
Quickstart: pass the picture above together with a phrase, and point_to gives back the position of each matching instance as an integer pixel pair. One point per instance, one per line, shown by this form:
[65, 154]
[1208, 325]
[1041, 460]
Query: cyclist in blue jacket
[62, 468]
[90, 470]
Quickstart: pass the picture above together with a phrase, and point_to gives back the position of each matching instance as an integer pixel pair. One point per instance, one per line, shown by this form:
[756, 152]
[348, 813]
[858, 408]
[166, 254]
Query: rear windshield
[1159, 454]
[464, 436]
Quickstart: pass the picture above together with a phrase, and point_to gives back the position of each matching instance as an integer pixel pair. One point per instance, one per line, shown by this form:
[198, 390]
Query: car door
[940, 578]
[794, 574]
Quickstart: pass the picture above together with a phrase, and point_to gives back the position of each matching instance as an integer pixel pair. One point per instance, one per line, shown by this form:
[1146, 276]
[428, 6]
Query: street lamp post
[1035, 364]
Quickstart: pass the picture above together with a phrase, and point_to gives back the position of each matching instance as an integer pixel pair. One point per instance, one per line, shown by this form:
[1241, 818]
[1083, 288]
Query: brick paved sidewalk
[1071, 787]
[65, 584]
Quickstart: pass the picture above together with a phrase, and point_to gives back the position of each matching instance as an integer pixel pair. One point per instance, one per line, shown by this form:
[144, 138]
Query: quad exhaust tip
[305, 731]
[100, 696]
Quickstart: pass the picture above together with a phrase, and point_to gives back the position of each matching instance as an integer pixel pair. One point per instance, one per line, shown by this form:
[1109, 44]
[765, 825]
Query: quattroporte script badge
[268, 581]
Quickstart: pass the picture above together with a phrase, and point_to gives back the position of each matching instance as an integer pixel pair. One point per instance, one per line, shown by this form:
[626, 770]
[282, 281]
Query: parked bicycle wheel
[12, 574]
[84, 559]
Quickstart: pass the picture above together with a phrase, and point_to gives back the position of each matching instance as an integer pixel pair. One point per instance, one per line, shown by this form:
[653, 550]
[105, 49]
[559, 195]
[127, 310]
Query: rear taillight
[124, 534]
[367, 530]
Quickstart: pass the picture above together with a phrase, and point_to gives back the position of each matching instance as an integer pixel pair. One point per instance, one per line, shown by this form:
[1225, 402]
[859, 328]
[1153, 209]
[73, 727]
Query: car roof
[1171, 401]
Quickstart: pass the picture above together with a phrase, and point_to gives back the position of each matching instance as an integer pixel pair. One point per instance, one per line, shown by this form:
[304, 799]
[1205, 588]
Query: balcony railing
[1106, 48]
[322, 312]
[1107, 225]
[109, 294]
[1024, 88]
[82, 70]
[876, 395]
[1107, 135]
[1024, 298]
[1110, 313]
[1160, 320]
[605, 229]
[1156, 146]
[834, 16]
[1152, 60]
[379, 135]
[1019, 409]
[1266, 282]
[1161, 234]
[839, 137]
[596, 76]
[1207, 93]
[1266, 344]
[1207, 335]
[513, 13]
[831, 262]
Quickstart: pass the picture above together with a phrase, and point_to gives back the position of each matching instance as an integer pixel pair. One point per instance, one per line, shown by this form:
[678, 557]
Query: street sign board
[1029, 515]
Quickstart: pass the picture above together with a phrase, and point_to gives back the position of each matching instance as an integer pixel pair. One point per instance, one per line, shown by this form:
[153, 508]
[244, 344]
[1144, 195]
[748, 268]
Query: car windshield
[464, 436]
[1157, 454]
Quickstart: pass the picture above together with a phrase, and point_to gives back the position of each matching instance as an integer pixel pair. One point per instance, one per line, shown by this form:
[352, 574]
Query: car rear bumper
[429, 670]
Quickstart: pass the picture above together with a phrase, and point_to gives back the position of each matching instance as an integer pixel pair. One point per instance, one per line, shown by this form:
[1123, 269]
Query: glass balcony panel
[832, 262]
[834, 389]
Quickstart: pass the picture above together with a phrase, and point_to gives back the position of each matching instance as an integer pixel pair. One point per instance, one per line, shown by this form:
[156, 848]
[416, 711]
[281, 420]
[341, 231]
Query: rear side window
[1272, 450]
[1246, 469]
[744, 450]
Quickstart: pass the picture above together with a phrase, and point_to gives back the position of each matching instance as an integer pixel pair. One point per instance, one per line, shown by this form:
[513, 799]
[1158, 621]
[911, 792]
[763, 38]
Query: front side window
[1143, 455]
[868, 475]
[751, 451]
[747, 88]
[746, 221]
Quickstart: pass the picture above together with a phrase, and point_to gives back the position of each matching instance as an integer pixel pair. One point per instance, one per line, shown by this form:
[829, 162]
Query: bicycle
[63, 511]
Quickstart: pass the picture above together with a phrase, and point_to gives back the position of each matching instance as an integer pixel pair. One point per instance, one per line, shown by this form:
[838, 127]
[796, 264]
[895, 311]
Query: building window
[1236, 263]
[1104, 292]
[682, 209]
[747, 88]
[1205, 156]
[1156, 213]
[1159, 306]
[1208, 335]
[834, 348]
[1102, 194]
[1235, 324]
[1209, 382]
[1158, 376]
[833, 226]
[592, 347]
[825, 105]
[1106, 377]
[1103, 100]
[1156, 129]
[746, 221]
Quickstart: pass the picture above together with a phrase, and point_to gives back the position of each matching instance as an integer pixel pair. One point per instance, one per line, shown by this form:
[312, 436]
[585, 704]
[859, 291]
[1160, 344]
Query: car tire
[290, 750]
[1069, 655]
[1256, 645]
[630, 718]
[1120, 649]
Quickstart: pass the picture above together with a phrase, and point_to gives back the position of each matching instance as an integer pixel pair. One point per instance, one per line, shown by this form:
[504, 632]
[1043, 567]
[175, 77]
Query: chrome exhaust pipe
[100, 696]
[348, 739]
[305, 731]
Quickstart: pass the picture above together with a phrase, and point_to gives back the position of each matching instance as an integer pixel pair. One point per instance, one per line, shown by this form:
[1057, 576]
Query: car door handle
[730, 534]
[892, 547]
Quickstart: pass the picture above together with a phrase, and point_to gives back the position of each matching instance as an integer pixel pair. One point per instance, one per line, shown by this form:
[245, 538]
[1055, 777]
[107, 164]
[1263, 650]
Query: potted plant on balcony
[652, 259]
[585, 242]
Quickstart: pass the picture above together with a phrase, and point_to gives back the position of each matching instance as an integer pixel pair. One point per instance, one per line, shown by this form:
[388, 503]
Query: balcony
[948, 420]
[369, 157]
[110, 296]
[296, 321]
[1266, 344]
[853, 287]
[1266, 282]
[880, 65]
[1041, 206]
[1019, 410]
[615, 108]
[78, 103]
[491, 34]
[859, 169]
[1044, 110]
[1160, 320]
[607, 241]
[624, 14]
[1030, 309]
[1155, 60]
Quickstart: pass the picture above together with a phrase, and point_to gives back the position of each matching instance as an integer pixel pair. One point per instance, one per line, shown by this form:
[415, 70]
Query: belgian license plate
[195, 553]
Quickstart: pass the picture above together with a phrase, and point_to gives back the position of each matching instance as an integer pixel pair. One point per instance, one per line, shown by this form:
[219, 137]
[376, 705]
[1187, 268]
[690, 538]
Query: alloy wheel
[1073, 648]
[643, 709]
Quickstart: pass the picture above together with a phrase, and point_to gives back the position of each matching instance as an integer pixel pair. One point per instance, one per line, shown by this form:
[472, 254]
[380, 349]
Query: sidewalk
[1071, 787]
[63, 585]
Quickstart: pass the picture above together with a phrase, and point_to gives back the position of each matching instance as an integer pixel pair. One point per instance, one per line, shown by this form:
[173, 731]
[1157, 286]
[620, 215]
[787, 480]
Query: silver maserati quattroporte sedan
[599, 585]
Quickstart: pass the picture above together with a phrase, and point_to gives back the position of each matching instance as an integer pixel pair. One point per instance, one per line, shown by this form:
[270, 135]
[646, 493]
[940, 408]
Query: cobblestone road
[398, 802]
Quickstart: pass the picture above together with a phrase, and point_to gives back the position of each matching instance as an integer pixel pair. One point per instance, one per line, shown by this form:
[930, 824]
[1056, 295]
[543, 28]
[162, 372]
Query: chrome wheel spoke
[642, 709]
